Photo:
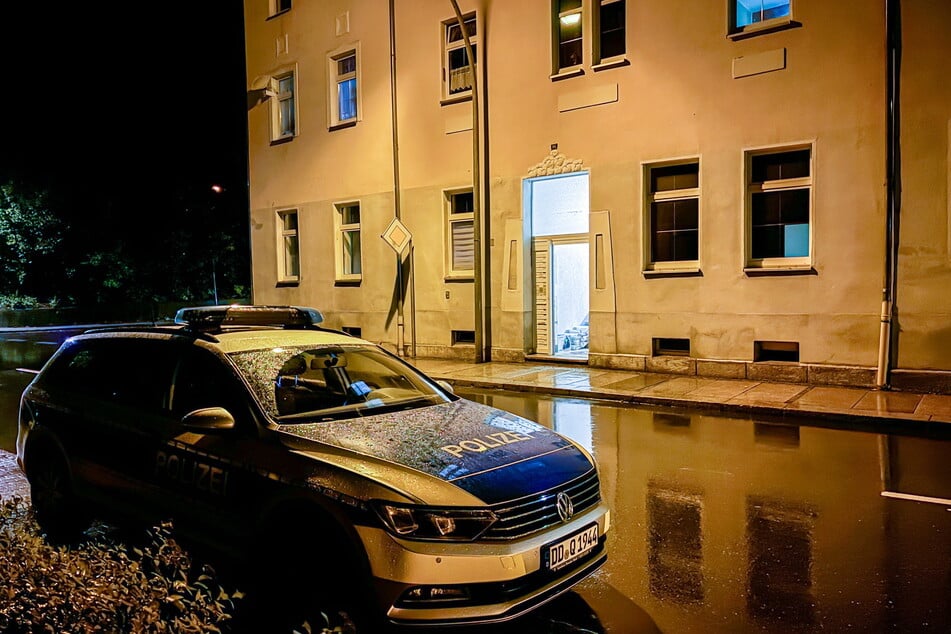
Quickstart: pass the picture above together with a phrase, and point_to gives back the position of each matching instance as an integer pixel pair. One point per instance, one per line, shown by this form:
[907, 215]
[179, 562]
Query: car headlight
[421, 522]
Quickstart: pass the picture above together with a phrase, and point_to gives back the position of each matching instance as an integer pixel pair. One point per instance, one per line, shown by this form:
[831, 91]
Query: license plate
[561, 553]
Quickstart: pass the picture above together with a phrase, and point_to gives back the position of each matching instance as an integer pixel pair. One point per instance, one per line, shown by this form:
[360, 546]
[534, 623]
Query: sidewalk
[841, 405]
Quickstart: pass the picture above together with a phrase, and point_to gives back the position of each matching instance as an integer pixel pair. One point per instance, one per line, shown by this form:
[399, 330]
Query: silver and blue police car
[334, 465]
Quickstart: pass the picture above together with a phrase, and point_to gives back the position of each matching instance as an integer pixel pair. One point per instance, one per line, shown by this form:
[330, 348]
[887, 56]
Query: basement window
[776, 351]
[463, 336]
[671, 347]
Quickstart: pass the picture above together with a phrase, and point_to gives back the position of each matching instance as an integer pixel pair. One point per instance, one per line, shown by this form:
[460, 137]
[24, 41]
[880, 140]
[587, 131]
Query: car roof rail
[214, 318]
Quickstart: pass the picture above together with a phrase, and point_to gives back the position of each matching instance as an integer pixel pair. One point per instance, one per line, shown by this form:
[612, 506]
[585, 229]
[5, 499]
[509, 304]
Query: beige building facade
[723, 188]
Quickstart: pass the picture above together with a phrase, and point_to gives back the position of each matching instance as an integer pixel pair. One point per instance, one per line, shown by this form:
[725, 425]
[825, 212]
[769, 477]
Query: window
[609, 38]
[278, 6]
[460, 254]
[568, 34]
[344, 88]
[283, 109]
[674, 215]
[779, 195]
[347, 219]
[288, 248]
[759, 15]
[457, 77]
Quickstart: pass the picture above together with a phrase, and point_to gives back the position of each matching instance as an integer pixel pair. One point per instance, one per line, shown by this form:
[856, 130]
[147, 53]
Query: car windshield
[303, 384]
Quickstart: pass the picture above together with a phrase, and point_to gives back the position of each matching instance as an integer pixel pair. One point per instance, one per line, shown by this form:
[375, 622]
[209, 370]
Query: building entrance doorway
[559, 213]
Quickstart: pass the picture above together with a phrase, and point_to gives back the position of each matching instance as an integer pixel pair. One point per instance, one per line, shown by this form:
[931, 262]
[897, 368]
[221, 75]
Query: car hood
[490, 453]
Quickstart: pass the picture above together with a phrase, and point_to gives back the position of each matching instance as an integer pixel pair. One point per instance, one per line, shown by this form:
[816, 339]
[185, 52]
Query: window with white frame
[460, 222]
[278, 6]
[610, 39]
[344, 87]
[673, 215]
[568, 34]
[779, 206]
[349, 267]
[288, 246]
[457, 76]
[754, 15]
[283, 107]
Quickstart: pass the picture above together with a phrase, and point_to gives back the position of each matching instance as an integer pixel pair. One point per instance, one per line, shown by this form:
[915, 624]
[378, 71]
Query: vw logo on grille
[565, 508]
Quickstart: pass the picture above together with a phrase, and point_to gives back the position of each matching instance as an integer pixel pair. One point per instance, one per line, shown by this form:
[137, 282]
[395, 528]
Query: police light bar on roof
[213, 317]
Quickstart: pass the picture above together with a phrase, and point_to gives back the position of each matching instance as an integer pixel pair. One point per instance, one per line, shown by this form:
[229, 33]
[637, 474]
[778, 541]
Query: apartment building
[728, 188]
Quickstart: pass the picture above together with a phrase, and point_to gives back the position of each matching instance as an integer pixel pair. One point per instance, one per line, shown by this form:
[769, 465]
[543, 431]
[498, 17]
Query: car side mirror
[445, 385]
[208, 420]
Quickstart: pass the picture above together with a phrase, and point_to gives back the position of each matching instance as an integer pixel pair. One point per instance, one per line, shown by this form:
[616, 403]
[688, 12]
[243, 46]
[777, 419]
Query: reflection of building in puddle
[774, 435]
[666, 421]
[779, 579]
[674, 544]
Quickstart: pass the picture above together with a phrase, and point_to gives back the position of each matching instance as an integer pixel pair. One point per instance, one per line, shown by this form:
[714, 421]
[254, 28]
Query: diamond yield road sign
[397, 235]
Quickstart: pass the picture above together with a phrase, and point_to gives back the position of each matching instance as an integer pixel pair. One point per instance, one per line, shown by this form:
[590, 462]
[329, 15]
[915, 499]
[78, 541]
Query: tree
[30, 230]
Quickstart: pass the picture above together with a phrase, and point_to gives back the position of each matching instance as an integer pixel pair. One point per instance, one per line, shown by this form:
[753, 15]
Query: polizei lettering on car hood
[492, 454]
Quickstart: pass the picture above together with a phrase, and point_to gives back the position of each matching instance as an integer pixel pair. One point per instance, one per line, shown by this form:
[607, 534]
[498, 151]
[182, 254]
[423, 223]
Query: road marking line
[916, 498]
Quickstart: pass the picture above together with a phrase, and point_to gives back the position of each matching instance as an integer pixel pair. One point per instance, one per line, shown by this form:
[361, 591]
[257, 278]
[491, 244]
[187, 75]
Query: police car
[330, 462]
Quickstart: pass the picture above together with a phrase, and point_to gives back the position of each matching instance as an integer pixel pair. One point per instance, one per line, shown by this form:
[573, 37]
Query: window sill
[762, 28]
[448, 101]
[276, 15]
[282, 140]
[459, 277]
[349, 281]
[757, 271]
[614, 62]
[286, 283]
[684, 272]
[341, 126]
[575, 71]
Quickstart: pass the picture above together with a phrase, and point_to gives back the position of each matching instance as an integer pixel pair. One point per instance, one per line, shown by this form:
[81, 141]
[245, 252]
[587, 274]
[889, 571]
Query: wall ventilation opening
[776, 351]
[672, 347]
[463, 336]
[352, 330]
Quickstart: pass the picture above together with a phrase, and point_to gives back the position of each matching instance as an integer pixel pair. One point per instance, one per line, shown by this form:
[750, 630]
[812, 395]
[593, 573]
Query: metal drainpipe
[893, 188]
[481, 329]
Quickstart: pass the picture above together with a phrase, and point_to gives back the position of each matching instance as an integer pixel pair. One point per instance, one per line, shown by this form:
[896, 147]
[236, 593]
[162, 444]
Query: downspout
[400, 325]
[893, 190]
[481, 321]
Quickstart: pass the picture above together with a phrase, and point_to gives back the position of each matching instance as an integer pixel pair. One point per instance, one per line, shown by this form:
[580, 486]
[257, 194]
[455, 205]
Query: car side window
[201, 381]
[133, 373]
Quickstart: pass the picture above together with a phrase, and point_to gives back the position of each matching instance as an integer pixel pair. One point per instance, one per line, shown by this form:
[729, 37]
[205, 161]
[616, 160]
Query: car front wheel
[54, 502]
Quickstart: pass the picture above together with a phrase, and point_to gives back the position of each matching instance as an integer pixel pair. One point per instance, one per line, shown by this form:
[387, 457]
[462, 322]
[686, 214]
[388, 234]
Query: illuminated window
[283, 108]
[674, 215]
[460, 218]
[344, 88]
[779, 207]
[288, 248]
[750, 16]
[568, 34]
[349, 267]
[457, 77]
[610, 31]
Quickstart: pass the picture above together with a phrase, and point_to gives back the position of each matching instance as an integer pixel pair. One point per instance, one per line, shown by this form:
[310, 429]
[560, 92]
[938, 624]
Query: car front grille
[531, 514]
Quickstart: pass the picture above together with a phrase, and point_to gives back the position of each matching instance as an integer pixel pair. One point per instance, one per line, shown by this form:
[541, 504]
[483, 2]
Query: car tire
[55, 507]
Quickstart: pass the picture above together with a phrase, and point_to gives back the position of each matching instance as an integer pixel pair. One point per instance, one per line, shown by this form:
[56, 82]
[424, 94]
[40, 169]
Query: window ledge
[685, 272]
[762, 28]
[565, 74]
[341, 126]
[284, 283]
[755, 271]
[448, 101]
[278, 14]
[282, 140]
[467, 277]
[614, 62]
[348, 282]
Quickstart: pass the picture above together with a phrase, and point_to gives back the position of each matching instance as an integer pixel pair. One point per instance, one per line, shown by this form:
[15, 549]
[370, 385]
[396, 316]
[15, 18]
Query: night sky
[132, 101]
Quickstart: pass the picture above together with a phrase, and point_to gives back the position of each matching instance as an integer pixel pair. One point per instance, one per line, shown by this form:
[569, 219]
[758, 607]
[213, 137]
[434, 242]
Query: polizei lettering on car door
[489, 441]
[192, 473]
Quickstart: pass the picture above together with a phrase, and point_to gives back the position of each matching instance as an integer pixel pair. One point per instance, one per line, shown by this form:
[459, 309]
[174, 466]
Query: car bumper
[499, 580]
